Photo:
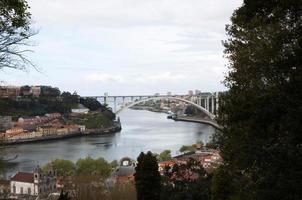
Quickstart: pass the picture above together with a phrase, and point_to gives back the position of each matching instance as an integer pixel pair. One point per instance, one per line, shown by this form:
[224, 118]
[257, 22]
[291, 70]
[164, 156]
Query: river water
[141, 131]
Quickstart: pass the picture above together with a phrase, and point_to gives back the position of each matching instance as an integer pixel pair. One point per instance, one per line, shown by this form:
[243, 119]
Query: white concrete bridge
[207, 102]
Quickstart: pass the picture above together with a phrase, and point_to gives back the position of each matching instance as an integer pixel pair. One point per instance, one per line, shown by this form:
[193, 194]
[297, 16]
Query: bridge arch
[212, 116]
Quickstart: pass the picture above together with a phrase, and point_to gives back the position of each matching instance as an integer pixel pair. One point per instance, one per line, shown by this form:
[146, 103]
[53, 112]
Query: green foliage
[92, 103]
[221, 184]
[187, 148]
[186, 181]
[190, 110]
[114, 164]
[164, 156]
[92, 121]
[261, 112]
[90, 166]
[50, 100]
[63, 167]
[147, 177]
[48, 91]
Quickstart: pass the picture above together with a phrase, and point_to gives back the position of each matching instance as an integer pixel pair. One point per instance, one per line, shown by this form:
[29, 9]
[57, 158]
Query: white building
[33, 184]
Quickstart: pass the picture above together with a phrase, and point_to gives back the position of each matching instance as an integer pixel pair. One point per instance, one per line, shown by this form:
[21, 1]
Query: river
[141, 131]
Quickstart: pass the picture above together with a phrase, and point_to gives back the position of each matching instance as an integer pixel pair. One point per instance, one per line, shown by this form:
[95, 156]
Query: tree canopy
[261, 112]
[15, 31]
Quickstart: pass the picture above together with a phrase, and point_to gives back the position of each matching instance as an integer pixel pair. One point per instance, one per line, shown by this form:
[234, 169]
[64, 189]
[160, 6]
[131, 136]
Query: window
[28, 191]
[14, 189]
[21, 190]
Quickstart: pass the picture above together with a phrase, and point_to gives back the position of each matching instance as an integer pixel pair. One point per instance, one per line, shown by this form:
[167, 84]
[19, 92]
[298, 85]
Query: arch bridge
[206, 102]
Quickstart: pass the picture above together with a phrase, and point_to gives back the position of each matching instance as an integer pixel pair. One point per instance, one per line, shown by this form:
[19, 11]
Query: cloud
[156, 78]
[104, 77]
[146, 45]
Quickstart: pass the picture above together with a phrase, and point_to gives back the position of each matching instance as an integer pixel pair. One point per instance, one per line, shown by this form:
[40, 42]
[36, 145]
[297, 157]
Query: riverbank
[198, 120]
[116, 127]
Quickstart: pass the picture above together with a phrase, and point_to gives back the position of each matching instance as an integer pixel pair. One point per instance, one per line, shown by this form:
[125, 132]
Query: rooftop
[23, 177]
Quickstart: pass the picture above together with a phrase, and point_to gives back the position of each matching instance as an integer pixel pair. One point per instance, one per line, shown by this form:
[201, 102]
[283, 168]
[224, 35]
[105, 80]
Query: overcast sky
[128, 46]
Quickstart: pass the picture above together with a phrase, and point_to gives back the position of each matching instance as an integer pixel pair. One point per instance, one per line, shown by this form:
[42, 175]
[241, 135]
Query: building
[33, 184]
[190, 93]
[80, 110]
[9, 91]
[5, 122]
[35, 91]
[164, 164]
[197, 92]
[209, 159]
[123, 173]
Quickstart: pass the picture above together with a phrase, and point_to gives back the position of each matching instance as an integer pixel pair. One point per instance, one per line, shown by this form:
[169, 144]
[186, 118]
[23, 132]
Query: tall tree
[261, 112]
[147, 177]
[15, 31]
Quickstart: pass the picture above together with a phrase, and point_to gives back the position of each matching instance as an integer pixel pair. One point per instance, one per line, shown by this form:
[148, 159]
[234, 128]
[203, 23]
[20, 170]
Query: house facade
[33, 184]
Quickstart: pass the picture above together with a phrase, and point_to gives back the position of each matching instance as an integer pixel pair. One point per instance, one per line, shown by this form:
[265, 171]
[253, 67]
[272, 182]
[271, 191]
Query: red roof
[23, 177]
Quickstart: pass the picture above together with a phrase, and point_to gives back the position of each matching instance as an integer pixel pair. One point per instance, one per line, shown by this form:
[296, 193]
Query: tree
[15, 31]
[91, 103]
[185, 148]
[190, 110]
[90, 166]
[261, 112]
[186, 181]
[165, 155]
[147, 177]
[63, 167]
[114, 164]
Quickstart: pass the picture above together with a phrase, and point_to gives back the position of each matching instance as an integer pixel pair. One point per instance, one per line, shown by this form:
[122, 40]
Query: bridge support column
[212, 102]
[114, 99]
[217, 102]
[208, 103]
[105, 98]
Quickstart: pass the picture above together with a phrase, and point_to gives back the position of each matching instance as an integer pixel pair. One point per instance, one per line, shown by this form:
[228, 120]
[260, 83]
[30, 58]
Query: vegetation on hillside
[52, 100]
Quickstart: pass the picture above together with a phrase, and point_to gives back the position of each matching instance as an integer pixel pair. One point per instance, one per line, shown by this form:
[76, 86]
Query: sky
[127, 47]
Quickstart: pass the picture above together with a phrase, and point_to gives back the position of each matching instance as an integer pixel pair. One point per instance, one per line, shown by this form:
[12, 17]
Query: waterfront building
[35, 91]
[33, 184]
[53, 115]
[5, 122]
[9, 91]
[14, 131]
[37, 119]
